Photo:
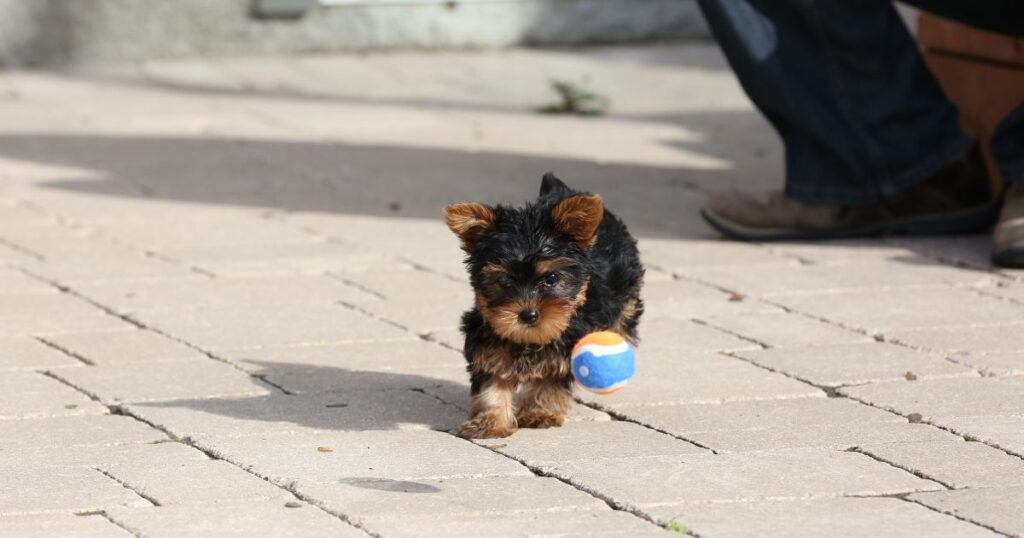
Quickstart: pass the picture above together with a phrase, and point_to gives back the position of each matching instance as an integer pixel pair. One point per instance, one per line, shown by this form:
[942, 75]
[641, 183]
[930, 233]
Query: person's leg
[861, 117]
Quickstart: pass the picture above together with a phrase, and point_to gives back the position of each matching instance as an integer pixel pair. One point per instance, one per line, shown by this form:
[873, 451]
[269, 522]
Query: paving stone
[107, 265]
[678, 256]
[163, 381]
[421, 314]
[274, 327]
[587, 441]
[971, 340]
[838, 437]
[953, 462]
[895, 309]
[31, 354]
[654, 481]
[13, 282]
[395, 284]
[75, 431]
[786, 330]
[1003, 431]
[123, 347]
[794, 413]
[56, 488]
[772, 280]
[355, 411]
[832, 366]
[995, 364]
[361, 456]
[684, 299]
[684, 336]
[941, 398]
[207, 231]
[848, 518]
[101, 455]
[47, 313]
[223, 294]
[674, 378]
[604, 523]
[375, 499]
[313, 258]
[26, 394]
[43, 525]
[237, 520]
[190, 481]
[998, 508]
[404, 356]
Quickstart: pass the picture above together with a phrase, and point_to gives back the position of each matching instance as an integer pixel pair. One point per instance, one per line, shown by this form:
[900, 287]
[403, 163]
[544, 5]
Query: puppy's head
[529, 265]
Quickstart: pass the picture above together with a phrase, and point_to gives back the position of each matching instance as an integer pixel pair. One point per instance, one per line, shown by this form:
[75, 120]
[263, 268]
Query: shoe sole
[970, 220]
[1012, 257]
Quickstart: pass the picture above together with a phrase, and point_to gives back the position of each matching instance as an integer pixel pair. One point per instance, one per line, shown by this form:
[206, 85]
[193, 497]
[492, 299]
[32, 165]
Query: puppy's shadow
[318, 397]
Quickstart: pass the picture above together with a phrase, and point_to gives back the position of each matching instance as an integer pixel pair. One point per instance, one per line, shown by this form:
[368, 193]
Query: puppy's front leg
[491, 411]
[544, 403]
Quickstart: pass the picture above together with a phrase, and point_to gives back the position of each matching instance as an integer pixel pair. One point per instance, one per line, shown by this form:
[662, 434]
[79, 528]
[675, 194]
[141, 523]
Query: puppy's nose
[530, 315]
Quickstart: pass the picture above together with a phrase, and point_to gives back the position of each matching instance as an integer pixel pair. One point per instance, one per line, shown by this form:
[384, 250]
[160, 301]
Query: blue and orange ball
[602, 362]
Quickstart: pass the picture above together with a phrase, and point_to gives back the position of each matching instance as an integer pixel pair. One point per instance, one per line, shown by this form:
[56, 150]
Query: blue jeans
[843, 83]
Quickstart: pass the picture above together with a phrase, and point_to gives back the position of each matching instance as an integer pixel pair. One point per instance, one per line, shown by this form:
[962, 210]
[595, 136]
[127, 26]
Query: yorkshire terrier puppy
[544, 275]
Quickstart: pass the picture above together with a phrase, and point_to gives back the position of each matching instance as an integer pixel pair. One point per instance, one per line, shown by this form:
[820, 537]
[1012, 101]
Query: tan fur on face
[555, 315]
[578, 217]
[550, 266]
[469, 221]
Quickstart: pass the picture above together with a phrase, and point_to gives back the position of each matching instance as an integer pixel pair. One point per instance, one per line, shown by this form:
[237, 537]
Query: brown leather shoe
[1008, 236]
[954, 200]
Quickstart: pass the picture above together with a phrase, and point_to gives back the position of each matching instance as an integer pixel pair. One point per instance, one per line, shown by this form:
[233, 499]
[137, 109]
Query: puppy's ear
[578, 217]
[550, 184]
[469, 221]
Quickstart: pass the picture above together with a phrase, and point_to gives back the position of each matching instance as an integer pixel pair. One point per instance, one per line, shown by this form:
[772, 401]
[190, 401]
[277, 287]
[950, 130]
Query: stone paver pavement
[228, 307]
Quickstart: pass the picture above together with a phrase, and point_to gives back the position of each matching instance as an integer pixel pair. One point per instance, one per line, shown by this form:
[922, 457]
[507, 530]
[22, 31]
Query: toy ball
[603, 362]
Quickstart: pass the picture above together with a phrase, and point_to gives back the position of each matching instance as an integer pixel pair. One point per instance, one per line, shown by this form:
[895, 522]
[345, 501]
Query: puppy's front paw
[485, 427]
[539, 419]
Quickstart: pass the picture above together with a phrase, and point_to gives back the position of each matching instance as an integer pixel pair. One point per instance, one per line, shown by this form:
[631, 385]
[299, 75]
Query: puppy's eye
[551, 279]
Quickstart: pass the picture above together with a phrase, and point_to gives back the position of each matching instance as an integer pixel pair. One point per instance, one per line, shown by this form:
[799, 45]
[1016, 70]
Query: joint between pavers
[128, 487]
[919, 474]
[614, 505]
[619, 417]
[22, 250]
[114, 522]
[43, 340]
[956, 516]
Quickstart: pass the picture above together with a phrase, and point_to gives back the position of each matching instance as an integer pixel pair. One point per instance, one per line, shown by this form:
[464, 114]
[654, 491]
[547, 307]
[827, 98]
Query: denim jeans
[842, 81]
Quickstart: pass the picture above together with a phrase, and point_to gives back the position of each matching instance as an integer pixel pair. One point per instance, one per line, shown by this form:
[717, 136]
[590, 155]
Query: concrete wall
[55, 32]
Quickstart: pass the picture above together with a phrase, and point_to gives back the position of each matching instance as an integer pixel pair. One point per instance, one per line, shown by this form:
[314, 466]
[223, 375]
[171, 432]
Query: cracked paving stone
[665, 378]
[839, 518]
[241, 520]
[834, 436]
[832, 366]
[164, 381]
[588, 441]
[685, 336]
[795, 413]
[75, 431]
[26, 394]
[350, 411]
[31, 354]
[655, 481]
[970, 340]
[343, 457]
[939, 399]
[49, 525]
[953, 461]
[190, 481]
[124, 347]
[998, 508]
[786, 330]
[57, 488]
[682, 299]
[603, 523]
[1004, 431]
[369, 500]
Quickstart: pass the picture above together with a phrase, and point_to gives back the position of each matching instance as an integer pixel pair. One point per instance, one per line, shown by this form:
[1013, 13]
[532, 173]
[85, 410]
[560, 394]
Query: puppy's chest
[519, 362]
